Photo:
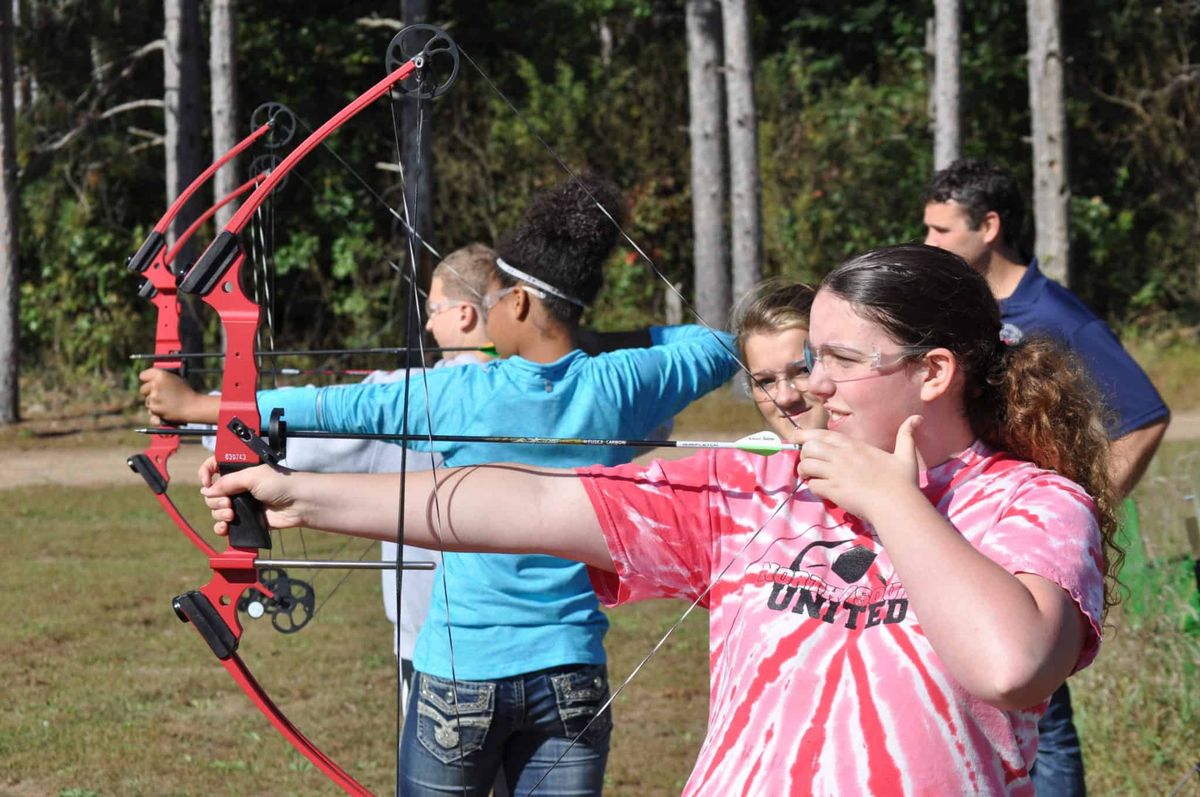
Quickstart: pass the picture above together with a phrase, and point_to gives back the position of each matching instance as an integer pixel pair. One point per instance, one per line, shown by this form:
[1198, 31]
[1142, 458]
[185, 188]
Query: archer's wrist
[205, 409]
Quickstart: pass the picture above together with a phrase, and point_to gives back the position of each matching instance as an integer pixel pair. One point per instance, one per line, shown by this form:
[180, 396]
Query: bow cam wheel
[436, 58]
[264, 165]
[282, 120]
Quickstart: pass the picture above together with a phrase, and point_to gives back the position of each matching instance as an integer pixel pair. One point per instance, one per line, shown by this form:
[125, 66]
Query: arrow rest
[433, 53]
[271, 450]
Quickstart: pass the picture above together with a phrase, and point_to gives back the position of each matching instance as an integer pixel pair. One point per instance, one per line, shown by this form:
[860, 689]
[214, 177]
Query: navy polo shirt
[1041, 305]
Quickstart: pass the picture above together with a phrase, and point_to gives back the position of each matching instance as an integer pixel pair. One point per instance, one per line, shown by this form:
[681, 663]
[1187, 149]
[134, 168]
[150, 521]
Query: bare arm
[1130, 454]
[1010, 640]
[486, 508]
[169, 398]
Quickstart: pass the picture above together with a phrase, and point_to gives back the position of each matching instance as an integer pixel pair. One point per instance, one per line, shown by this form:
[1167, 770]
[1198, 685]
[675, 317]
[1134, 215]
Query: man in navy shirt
[974, 209]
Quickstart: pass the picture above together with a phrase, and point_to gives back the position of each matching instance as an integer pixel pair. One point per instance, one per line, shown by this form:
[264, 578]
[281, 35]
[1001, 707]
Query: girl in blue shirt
[510, 662]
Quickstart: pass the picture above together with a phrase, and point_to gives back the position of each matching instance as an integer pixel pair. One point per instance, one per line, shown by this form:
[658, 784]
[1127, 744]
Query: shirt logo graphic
[855, 600]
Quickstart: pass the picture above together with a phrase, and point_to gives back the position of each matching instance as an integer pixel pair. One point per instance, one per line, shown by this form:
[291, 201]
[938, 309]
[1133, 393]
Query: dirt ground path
[92, 466]
[96, 466]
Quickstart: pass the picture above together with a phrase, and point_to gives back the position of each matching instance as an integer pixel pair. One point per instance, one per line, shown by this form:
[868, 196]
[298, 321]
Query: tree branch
[74, 133]
[379, 22]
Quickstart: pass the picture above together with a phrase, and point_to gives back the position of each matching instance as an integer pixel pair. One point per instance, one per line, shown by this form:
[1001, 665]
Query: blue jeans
[523, 724]
[1058, 769]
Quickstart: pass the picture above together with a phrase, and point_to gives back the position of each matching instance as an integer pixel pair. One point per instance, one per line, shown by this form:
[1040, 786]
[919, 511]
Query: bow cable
[413, 306]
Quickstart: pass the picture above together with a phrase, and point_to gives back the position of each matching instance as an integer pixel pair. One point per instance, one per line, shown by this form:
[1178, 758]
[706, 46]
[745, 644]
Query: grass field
[106, 693]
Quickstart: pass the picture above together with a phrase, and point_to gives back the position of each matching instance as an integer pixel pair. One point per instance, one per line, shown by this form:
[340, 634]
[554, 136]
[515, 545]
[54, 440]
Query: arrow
[762, 443]
[489, 349]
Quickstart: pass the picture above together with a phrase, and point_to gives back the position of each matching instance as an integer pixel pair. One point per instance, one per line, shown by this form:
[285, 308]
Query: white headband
[513, 271]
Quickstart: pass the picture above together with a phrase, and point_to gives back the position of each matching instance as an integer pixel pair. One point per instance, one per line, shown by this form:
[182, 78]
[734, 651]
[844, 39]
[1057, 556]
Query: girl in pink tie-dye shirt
[888, 610]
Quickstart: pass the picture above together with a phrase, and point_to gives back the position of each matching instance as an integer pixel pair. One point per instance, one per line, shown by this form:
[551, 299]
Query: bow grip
[249, 528]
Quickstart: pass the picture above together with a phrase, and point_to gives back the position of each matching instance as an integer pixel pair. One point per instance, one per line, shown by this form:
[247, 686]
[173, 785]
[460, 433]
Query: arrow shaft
[499, 439]
[199, 355]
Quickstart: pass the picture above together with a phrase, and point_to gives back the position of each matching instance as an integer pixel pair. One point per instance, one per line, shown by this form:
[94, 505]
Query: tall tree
[416, 157]
[744, 177]
[1051, 193]
[947, 138]
[183, 122]
[9, 199]
[222, 67]
[709, 196]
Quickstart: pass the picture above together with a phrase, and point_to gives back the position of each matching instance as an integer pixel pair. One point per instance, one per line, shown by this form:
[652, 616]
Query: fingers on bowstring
[813, 468]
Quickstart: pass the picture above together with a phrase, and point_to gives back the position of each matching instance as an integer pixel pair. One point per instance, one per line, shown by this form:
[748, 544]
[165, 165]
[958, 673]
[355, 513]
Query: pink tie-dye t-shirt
[822, 682]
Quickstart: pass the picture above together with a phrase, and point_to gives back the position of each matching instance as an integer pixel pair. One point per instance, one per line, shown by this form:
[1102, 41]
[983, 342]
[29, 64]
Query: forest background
[845, 139]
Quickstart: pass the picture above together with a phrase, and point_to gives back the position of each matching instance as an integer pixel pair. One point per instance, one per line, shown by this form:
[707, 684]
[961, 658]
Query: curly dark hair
[564, 238]
[1033, 399]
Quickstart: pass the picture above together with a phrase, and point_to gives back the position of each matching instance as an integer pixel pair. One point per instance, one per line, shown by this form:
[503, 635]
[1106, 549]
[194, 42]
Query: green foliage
[844, 137]
[831, 171]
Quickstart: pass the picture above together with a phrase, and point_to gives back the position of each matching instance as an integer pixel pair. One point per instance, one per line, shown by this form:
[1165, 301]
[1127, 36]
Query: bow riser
[153, 262]
[217, 278]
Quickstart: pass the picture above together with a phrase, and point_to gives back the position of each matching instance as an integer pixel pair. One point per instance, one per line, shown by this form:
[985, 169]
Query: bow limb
[213, 611]
[241, 190]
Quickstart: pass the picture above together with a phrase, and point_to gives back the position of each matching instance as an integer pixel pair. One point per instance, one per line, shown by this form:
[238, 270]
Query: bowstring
[414, 280]
[261, 245]
[411, 234]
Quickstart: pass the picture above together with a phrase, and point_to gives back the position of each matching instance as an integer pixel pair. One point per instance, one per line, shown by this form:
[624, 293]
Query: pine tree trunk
[9, 248]
[181, 96]
[709, 197]
[947, 136]
[222, 67]
[416, 157]
[1051, 193]
[745, 183]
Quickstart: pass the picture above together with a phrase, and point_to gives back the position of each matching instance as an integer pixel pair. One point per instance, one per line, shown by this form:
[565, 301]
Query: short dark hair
[981, 186]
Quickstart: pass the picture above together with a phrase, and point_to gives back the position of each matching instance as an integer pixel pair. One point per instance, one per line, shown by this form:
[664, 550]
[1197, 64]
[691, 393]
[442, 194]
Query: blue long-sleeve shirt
[513, 614]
